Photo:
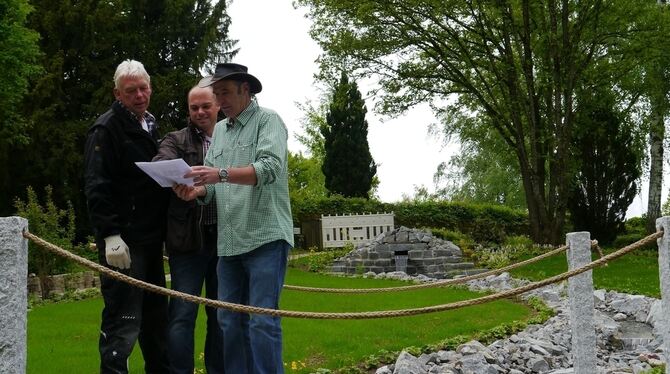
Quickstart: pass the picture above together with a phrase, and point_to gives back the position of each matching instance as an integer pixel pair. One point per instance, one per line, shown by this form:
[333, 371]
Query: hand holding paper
[167, 172]
[203, 175]
[188, 193]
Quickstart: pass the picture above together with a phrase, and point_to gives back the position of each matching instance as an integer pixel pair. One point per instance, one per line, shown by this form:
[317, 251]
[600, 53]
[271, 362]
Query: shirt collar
[244, 117]
[197, 130]
[148, 117]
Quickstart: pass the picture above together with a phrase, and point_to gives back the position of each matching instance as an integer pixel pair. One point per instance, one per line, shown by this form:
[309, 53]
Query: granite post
[13, 294]
[580, 298]
[663, 323]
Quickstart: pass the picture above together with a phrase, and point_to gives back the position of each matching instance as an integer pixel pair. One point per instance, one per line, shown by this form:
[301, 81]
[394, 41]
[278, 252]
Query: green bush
[55, 225]
[320, 261]
[513, 249]
[635, 229]
[656, 370]
[462, 241]
[481, 222]
[518, 241]
[627, 239]
[494, 258]
[636, 225]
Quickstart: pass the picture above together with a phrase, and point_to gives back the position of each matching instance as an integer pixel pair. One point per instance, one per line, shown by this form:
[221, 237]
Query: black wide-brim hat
[235, 72]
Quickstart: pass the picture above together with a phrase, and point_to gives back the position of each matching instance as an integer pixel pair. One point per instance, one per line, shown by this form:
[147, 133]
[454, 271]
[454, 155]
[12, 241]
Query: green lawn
[635, 273]
[62, 338]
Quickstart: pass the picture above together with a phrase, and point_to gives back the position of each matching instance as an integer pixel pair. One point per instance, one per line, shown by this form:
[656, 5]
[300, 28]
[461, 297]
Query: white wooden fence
[360, 228]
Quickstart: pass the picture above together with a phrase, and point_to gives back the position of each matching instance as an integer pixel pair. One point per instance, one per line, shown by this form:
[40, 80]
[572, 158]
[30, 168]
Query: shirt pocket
[242, 154]
[218, 157]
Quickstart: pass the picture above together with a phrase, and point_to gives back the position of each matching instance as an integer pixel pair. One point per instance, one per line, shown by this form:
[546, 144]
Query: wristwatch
[223, 175]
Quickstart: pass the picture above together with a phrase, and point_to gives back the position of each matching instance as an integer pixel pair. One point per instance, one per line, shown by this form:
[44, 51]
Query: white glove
[116, 252]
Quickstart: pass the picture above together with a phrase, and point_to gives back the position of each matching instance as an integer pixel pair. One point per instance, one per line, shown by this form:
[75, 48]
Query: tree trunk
[544, 227]
[656, 136]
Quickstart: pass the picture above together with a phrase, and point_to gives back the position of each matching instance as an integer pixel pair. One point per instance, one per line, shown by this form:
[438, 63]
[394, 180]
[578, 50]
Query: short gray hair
[130, 68]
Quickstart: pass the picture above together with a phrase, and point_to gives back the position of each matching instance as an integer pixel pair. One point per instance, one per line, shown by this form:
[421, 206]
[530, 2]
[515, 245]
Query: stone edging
[546, 348]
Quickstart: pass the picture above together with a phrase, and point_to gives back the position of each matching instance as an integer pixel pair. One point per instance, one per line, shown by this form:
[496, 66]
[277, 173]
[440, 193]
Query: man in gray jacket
[191, 241]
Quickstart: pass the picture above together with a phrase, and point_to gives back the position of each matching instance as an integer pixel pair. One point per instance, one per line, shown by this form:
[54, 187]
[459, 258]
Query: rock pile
[409, 250]
[627, 337]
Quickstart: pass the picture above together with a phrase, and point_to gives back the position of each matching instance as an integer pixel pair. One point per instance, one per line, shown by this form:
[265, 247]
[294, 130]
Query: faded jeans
[188, 272]
[253, 343]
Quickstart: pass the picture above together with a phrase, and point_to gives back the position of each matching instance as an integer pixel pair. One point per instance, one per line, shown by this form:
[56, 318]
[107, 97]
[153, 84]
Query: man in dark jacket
[127, 210]
[191, 241]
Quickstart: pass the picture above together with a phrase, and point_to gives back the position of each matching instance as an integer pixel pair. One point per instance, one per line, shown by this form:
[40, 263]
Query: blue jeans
[189, 271]
[253, 343]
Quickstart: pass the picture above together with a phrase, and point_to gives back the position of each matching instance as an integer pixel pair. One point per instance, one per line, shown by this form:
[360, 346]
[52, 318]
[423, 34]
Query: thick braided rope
[328, 315]
[442, 283]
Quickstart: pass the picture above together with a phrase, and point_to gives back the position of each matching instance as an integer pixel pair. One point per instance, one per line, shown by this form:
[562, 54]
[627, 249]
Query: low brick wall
[61, 283]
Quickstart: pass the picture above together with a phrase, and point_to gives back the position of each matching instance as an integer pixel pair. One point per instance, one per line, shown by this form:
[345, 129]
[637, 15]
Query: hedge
[482, 222]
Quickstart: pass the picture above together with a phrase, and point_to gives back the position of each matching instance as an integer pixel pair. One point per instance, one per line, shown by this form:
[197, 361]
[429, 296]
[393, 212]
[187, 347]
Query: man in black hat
[245, 170]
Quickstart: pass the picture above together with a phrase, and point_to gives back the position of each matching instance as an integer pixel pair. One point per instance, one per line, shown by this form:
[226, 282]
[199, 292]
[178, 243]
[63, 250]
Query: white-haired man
[127, 210]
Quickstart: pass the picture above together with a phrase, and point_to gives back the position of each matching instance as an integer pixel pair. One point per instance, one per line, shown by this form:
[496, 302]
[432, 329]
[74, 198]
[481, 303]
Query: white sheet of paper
[167, 172]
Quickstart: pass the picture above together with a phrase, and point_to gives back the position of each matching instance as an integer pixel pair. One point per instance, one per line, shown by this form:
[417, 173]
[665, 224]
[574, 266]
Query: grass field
[62, 338]
[635, 273]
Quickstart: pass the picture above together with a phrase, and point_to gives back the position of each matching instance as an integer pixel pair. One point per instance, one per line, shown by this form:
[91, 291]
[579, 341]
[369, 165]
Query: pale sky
[274, 43]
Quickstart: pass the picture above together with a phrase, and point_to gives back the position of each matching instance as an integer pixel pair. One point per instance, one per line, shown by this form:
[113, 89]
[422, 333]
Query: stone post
[580, 298]
[13, 294]
[663, 322]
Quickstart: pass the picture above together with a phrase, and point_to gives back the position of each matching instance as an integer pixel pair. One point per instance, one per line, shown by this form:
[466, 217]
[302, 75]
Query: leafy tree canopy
[510, 66]
[305, 177]
[19, 53]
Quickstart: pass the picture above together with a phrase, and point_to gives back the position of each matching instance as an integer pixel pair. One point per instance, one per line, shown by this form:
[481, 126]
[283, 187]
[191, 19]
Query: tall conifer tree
[348, 165]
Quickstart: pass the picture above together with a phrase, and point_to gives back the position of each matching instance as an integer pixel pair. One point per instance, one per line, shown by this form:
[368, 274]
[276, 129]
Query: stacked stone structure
[410, 250]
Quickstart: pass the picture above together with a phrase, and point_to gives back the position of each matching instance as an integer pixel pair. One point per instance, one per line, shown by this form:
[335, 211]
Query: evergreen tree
[348, 165]
[608, 169]
[83, 42]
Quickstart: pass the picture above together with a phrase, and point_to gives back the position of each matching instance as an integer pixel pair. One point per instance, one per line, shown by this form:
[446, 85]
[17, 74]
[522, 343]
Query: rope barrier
[596, 247]
[347, 315]
[442, 283]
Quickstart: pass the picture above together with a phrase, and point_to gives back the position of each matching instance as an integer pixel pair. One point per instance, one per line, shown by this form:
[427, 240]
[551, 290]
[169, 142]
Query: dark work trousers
[132, 314]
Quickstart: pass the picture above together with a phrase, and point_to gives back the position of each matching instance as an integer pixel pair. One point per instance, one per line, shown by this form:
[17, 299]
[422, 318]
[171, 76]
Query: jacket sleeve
[168, 149]
[100, 167]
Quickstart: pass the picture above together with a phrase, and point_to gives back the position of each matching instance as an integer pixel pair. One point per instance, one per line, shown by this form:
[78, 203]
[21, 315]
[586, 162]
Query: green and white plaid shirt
[250, 216]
